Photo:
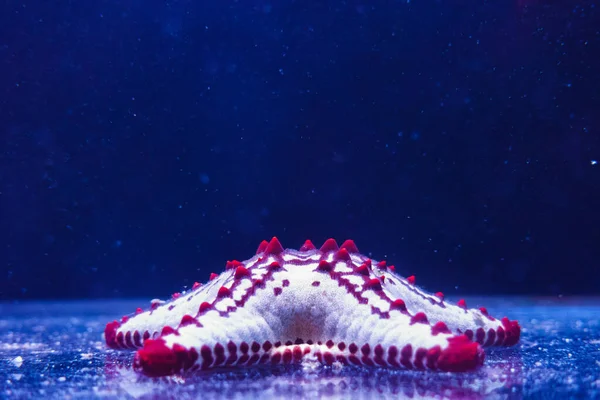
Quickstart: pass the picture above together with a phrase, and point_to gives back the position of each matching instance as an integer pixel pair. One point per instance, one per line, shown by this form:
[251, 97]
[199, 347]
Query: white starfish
[331, 303]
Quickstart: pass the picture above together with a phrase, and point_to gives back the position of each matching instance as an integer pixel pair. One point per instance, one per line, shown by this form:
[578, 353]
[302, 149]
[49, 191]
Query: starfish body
[332, 304]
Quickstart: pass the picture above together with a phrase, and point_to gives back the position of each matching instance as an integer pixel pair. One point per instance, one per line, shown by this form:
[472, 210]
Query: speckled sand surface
[56, 351]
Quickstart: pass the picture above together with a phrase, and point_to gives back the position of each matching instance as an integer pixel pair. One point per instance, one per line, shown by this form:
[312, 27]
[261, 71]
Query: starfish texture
[332, 304]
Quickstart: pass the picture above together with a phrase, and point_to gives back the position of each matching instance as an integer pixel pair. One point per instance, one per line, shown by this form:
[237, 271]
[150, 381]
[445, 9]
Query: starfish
[331, 304]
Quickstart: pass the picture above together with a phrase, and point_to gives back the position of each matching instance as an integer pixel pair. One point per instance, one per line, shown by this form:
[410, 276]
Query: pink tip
[398, 304]
[461, 355]
[362, 270]
[204, 307]
[156, 359]
[439, 327]
[262, 247]
[373, 284]
[329, 245]
[419, 318]
[167, 330]
[241, 272]
[274, 247]
[274, 265]
[110, 334]
[223, 292]
[342, 255]
[308, 246]
[324, 266]
[512, 332]
[350, 246]
[188, 320]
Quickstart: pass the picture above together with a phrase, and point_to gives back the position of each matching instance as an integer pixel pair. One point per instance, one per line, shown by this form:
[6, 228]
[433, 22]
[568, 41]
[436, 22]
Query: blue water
[55, 350]
[457, 139]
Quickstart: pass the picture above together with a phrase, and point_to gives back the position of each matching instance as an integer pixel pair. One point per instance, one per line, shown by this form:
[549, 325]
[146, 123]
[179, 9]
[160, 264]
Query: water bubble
[204, 178]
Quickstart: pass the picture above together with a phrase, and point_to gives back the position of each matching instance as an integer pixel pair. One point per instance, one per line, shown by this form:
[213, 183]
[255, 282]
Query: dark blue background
[145, 143]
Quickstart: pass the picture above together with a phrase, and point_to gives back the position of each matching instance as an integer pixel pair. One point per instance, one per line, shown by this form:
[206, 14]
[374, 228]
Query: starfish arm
[220, 294]
[477, 324]
[210, 341]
